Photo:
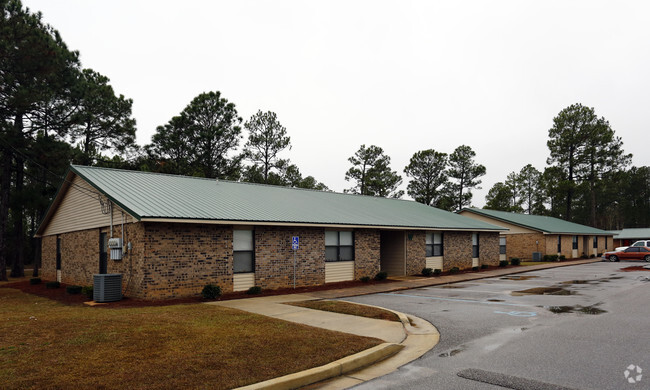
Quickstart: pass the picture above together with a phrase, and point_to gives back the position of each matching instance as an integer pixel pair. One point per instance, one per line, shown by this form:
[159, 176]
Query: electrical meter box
[115, 246]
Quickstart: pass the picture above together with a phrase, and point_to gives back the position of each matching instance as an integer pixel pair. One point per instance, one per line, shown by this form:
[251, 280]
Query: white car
[638, 243]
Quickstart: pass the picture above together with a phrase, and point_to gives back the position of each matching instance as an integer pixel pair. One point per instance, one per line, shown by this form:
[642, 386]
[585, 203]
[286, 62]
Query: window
[475, 245]
[434, 244]
[595, 242]
[575, 242]
[243, 251]
[559, 244]
[502, 245]
[339, 246]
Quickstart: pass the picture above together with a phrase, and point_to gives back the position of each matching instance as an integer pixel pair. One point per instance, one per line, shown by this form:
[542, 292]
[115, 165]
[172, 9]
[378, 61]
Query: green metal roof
[539, 222]
[161, 196]
[632, 234]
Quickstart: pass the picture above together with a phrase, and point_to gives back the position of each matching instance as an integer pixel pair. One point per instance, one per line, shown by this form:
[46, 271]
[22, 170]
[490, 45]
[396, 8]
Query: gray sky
[402, 75]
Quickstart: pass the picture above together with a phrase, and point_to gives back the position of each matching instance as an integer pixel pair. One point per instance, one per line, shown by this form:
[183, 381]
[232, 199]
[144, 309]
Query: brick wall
[180, 259]
[415, 252]
[488, 250]
[274, 257]
[457, 247]
[567, 246]
[524, 244]
[366, 253]
[551, 244]
[48, 258]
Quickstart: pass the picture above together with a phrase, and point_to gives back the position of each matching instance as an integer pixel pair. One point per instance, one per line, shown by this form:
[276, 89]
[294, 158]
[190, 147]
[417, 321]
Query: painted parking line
[457, 300]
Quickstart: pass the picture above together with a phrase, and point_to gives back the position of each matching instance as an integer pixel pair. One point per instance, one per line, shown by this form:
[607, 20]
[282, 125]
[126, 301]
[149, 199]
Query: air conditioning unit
[537, 256]
[107, 287]
[115, 245]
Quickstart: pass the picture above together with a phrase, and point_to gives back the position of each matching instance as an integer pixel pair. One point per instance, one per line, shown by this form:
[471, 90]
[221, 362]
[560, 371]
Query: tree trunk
[18, 268]
[5, 183]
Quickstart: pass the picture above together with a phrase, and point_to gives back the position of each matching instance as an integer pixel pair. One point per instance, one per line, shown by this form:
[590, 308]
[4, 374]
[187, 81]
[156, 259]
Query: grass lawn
[349, 308]
[45, 344]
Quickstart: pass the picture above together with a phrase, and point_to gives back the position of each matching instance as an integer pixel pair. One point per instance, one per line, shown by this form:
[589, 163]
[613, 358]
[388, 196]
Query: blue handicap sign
[295, 242]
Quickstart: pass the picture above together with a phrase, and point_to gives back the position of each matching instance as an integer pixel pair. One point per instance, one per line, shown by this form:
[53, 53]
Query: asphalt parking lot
[594, 328]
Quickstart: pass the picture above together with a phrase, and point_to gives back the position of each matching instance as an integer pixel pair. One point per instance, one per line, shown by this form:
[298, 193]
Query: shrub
[381, 275]
[584, 256]
[365, 279]
[484, 266]
[547, 258]
[592, 256]
[474, 268]
[503, 263]
[562, 257]
[52, 285]
[515, 261]
[427, 272]
[74, 290]
[454, 270]
[87, 291]
[254, 290]
[211, 291]
[35, 281]
[437, 271]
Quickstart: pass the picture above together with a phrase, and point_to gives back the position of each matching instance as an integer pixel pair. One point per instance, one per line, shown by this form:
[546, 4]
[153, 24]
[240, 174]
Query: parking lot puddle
[519, 277]
[542, 291]
[451, 353]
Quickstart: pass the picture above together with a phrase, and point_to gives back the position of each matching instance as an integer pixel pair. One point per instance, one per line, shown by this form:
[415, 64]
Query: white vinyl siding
[80, 210]
[339, 271]
[242, 282]
[434, 262]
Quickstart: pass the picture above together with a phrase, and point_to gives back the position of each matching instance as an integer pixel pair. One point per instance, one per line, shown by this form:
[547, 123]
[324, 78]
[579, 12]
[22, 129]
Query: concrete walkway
[405, 341]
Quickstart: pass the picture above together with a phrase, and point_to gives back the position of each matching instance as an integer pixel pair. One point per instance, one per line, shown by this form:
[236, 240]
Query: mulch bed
[60, 294]
[635, 268]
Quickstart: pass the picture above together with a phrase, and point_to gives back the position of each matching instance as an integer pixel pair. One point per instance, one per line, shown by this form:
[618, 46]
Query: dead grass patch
[44, 344]
[349, 308]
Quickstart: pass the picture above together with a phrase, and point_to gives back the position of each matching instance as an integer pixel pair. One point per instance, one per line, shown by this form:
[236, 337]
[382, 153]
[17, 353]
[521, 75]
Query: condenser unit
[537, 256]
[107, 287]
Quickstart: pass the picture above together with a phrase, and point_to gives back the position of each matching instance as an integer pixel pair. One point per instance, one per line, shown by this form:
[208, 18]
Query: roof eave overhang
[312, 224]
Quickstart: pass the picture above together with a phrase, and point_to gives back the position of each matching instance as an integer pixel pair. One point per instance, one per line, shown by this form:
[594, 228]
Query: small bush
[592, 256]
[35, 281]
[484, 266]
[437, 271]
[584, 256]
[503, 263]
[474, 268]
[87, 291]
[547, 258]
[381, 275]
[515, 261]
[454, 270]
[74, 290]
[365, 279]
[254, 290]
[211, 291]
[427, 272]
[561, 258]
[52, 285]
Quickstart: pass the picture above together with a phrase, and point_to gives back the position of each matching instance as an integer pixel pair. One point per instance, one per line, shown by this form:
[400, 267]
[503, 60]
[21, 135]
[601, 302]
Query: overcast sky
[405, 76]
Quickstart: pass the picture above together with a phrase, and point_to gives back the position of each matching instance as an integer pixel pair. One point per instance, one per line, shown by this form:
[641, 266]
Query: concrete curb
[331, 370]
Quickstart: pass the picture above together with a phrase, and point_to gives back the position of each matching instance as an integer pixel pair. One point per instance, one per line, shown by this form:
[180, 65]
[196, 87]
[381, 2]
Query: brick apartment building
[546, 235]
[175, 234]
